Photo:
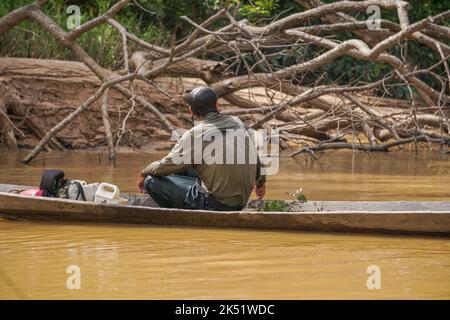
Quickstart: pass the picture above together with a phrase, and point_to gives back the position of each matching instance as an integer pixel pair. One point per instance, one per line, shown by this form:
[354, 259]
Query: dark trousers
[182, 191]
[171, 191]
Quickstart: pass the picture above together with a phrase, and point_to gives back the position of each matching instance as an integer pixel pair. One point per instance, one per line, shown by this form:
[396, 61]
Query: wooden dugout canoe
[422, 217]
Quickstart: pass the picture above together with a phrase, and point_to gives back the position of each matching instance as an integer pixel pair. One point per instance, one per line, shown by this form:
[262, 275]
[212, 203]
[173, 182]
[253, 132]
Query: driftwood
[316, 115]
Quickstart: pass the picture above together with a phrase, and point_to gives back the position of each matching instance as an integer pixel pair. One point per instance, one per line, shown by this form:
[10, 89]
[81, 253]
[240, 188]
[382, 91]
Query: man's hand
[260, 192]
[140, 183]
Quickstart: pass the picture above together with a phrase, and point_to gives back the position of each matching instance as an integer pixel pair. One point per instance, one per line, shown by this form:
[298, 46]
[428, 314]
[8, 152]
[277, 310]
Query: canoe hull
[14, 206]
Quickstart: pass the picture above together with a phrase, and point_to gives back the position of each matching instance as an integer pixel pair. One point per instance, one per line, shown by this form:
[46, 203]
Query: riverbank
[46, 91]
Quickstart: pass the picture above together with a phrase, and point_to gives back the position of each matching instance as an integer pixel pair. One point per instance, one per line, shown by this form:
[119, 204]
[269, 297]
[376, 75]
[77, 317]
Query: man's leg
[170, 191]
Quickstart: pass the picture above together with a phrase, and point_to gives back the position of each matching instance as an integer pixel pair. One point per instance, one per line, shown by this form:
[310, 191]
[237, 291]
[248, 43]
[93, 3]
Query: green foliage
[274, 206]
[166, 13]
[299, 195]
[348, 69]
[101, 43]
[257, 9]
[160, 19]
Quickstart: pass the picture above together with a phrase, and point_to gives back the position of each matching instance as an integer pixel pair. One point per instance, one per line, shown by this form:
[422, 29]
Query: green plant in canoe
[299, 195]
[274, 206]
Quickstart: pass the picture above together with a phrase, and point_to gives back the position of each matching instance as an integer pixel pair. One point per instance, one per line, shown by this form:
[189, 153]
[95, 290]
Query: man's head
[202, 100]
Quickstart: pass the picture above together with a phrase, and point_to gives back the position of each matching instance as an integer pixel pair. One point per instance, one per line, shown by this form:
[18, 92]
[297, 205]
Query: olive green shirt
[228, 169]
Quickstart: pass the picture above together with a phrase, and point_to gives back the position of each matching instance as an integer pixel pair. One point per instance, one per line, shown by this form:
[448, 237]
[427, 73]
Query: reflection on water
[153, 262]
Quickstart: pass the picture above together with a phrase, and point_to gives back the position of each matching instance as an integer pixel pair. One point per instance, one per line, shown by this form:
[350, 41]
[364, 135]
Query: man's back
[221, 151]
[228, 169]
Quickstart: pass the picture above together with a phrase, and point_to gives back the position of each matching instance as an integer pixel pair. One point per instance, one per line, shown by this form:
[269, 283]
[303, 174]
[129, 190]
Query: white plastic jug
[107, 192]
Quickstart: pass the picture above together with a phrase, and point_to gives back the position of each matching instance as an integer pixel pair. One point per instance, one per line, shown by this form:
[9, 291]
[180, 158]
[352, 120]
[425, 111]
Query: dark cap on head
[202, 100]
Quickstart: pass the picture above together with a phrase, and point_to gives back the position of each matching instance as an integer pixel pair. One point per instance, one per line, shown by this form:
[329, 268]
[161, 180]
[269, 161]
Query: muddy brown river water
[121, 261]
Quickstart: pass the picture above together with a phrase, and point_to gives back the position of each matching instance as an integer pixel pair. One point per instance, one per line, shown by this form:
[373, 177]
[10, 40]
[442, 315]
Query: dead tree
[312, 114]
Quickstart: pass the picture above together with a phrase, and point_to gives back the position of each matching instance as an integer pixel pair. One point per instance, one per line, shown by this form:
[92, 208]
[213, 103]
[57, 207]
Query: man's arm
[167, 165]
[260, 189]
[260, 178]
[164, 167]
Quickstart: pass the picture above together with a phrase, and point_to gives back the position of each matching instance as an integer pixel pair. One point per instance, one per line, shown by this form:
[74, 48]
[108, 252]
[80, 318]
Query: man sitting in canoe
[213, 166]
